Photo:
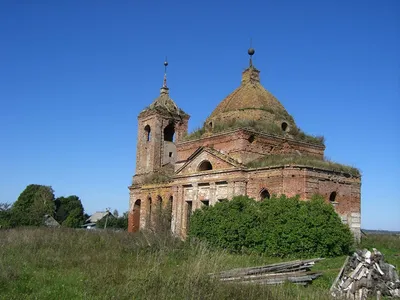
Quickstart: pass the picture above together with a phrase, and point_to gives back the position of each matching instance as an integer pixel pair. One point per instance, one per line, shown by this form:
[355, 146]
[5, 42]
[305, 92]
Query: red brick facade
[215, 166]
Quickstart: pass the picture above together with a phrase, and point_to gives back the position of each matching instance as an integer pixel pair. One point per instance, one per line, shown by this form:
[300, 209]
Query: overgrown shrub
[279, 226]
[161, 176]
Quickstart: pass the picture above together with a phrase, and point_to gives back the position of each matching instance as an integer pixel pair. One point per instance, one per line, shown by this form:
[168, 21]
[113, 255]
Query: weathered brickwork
[248, 145]
[214, 167]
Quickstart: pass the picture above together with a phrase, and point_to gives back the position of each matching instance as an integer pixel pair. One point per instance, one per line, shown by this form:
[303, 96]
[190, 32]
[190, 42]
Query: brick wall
[247, 146]
[214, 186]
[153, 151]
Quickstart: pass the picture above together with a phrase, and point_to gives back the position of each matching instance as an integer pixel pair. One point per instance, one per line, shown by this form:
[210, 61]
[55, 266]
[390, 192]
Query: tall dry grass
[40, 263]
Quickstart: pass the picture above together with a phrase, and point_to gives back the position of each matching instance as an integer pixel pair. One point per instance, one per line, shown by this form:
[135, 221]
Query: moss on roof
[258, 126]
[250, 94]
[278, 160]
[163, 104]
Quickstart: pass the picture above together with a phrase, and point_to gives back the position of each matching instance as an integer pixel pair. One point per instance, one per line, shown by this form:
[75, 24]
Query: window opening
[149, 213]
[205, 202]
[170, 205]
[136, 215]
[188, 214]
[205, 166]
[264, 194]
[251, 139]
[169, 132]
[332, 197]
[147, 130]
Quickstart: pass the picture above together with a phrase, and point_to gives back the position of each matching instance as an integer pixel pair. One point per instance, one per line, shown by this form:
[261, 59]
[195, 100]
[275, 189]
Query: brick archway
[136, 215]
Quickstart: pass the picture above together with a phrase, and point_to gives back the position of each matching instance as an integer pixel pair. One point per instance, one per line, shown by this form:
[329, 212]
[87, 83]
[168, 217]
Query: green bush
[279, 226]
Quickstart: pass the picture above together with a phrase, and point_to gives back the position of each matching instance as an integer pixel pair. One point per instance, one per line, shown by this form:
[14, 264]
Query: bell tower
[160, 126]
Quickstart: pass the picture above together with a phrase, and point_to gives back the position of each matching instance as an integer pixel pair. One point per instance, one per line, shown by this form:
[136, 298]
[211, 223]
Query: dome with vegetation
[163, 104]
[251, 106]
[252, 102]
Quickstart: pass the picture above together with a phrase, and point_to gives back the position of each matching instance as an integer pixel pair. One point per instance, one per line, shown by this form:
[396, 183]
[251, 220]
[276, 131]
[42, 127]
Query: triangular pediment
[217, 159]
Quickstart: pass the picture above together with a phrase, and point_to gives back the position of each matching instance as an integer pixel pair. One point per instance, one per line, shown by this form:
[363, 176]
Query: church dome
[250, 104]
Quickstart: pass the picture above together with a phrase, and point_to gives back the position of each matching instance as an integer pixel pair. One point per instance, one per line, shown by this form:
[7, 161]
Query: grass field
[40, 263]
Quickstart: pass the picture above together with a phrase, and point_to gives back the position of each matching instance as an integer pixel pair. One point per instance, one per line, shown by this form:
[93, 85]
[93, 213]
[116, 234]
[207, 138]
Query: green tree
[32, 204]
[120, 222]
[5, 215]
[279, 226]
[69, 211]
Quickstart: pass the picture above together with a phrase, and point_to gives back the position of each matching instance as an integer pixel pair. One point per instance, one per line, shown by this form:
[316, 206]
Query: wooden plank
[278, 267]
[340, 274]
[268, 275]
[303, 280]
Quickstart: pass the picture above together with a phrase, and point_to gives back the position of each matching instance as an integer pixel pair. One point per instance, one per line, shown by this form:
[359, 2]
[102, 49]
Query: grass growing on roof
[195, 134]
[162, 175]
[258, 126]
[277, 160]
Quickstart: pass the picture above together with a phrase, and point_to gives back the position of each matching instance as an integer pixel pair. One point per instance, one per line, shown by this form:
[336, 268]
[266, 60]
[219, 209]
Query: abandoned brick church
[249, 145]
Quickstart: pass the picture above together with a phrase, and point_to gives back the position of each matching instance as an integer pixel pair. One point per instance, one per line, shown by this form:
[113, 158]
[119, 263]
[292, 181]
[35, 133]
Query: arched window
[147, 131]
[332, 197]
[159, 203]
[284, 126]
[169, 132]
[170, 204]
[251, 138]
[149, 213]
[264, 194]
[204, 166]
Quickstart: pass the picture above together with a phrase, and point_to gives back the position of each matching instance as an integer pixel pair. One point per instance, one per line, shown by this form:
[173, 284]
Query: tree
[69, 211]
[5, 215]
[32, 204]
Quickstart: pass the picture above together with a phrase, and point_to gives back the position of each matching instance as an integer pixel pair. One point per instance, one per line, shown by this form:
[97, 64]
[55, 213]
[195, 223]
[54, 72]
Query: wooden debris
[297, 272]
[366, 274]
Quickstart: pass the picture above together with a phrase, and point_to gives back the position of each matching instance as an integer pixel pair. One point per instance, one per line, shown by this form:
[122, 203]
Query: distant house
[97, 216]
[49, 221]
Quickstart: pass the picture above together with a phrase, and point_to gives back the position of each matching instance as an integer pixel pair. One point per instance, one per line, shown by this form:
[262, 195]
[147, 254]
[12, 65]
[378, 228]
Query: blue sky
[74, 75]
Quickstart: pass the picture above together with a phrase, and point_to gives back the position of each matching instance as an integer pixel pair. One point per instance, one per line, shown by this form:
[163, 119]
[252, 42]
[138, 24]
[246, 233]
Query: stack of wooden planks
[297, 272]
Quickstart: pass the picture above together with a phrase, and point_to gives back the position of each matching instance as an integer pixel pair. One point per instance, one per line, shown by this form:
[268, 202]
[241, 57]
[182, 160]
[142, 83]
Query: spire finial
[251, 53]
[165, 73]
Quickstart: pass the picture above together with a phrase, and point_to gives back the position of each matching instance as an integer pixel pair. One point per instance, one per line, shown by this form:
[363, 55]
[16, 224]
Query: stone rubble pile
[366, 274]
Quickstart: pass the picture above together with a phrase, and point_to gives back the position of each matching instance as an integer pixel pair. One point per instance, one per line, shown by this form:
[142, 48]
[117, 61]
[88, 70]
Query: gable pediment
[217, 159]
